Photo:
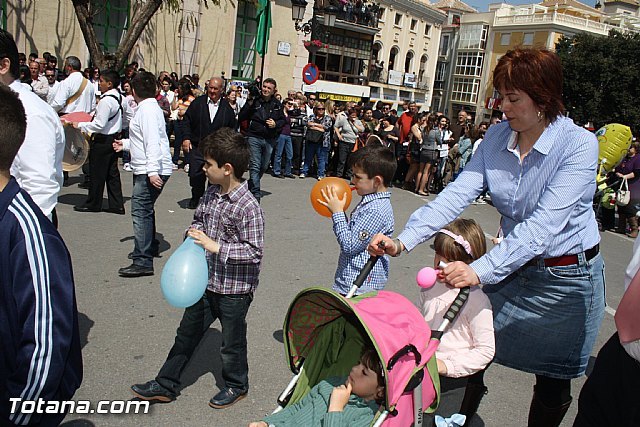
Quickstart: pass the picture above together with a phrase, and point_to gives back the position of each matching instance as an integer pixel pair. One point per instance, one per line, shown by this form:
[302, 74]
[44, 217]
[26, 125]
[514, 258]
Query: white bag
[623, 195]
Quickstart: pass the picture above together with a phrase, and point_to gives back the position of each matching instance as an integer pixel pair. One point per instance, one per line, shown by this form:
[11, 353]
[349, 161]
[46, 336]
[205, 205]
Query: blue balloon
[185, 275]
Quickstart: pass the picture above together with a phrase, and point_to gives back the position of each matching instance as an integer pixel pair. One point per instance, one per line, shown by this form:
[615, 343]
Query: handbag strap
[625, 184]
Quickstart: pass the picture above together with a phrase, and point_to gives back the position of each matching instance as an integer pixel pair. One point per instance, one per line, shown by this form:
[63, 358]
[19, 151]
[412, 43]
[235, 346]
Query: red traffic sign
[310, 74]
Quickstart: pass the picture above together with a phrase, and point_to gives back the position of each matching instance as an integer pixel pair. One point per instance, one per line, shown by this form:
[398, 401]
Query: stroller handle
[364, 273]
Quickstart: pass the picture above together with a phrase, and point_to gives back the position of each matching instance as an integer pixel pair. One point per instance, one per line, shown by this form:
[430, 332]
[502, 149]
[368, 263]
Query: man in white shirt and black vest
[103, 161]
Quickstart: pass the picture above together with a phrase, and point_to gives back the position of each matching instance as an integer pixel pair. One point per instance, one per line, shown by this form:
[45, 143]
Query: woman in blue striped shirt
[545, 280]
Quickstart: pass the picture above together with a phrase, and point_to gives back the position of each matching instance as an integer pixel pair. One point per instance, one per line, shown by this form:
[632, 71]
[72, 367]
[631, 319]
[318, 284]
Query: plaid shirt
[234, 220]
[373, 215]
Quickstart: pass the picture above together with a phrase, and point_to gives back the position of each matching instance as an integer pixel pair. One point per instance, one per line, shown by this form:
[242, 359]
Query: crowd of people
[546, 274]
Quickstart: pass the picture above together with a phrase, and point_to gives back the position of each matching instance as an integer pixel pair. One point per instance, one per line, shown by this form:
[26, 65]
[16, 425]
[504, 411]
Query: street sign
[310, 74]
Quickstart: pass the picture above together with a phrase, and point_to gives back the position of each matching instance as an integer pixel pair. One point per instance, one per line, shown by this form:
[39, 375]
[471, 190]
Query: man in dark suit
[205, 115]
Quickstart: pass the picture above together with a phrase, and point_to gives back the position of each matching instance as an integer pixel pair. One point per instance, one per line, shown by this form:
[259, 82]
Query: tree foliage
[602, 78]
[141, 13]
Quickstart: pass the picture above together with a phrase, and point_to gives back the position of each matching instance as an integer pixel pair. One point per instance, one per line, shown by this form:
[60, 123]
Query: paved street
[127, 327]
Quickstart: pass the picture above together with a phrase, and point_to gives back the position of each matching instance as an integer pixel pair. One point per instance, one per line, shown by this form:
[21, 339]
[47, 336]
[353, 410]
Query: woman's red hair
[538, 73]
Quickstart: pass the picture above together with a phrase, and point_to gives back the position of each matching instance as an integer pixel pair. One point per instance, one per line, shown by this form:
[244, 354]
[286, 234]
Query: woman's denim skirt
[546, 319]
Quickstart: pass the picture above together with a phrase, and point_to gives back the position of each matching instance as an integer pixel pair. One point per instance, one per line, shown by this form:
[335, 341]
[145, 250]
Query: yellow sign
[335, 97]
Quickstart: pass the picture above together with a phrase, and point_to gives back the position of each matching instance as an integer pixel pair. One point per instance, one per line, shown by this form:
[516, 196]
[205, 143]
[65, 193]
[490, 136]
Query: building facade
[374, 51]
[404, 54]
[482, 38]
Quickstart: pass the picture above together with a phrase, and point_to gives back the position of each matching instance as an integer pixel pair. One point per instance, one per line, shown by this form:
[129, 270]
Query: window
[505, 39]
[3, 14]
[528, 39]
[408, 62]
[473, 36]
[392, 58]
[414, 24]
[398, 20]
[469, 64]
[110, 23]
[422, 79]
[381, 12]
[427, 30]
[244, 46]
[455, 20]
[444, 45]
[465, 90]
[441, 71]
[347, 59]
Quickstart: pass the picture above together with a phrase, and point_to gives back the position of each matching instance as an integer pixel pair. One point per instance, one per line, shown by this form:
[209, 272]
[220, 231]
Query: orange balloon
[340, 185]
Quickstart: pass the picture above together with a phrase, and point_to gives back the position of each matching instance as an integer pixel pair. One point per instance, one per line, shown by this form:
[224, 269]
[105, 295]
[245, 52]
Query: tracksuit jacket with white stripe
[40, 354]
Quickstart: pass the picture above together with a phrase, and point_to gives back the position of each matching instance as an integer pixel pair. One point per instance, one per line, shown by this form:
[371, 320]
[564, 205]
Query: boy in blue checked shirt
[229, 224]
[373, 168]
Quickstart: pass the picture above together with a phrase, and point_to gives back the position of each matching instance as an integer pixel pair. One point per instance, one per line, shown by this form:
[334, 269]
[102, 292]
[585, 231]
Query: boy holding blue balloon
[229, 224]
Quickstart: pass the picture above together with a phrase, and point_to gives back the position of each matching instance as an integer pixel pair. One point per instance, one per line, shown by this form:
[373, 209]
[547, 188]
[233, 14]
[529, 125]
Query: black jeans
[610, 395]
[344, 151]
[296, 162]
[103, 163]
[231, 310]
[197, 178]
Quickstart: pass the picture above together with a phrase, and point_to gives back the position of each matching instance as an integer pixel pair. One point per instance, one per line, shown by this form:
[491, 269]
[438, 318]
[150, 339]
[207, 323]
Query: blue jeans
[260, 150]
[284, 144]
[231, 310]
[143, 214]
[312, 149]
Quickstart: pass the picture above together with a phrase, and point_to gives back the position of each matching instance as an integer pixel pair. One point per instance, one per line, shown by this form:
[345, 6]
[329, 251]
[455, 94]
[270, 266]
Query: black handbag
[314, 136]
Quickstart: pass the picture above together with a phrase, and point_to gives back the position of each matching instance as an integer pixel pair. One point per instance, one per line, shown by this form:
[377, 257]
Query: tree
[602, 78]
[141, 13]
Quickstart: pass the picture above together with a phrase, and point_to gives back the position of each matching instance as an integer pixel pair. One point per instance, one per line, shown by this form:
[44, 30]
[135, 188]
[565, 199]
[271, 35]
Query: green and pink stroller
[324, 334]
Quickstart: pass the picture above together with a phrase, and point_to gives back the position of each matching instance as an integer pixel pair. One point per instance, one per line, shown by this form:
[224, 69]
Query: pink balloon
[426, 277]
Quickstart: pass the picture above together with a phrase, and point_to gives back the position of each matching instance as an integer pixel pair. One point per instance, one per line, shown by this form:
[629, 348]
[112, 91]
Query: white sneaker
[174, 167]
[126, 167]
[186, 168]
[303, 175]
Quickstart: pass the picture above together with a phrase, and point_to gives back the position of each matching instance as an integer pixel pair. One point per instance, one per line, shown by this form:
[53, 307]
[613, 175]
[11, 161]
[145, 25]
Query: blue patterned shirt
[373, 215]
[545, 200]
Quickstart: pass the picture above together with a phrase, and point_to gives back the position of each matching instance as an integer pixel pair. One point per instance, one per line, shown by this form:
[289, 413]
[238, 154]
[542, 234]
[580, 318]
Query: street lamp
[298, 7]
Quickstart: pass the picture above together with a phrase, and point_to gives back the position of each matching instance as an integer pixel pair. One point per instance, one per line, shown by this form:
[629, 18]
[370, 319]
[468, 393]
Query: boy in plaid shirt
[229, 224]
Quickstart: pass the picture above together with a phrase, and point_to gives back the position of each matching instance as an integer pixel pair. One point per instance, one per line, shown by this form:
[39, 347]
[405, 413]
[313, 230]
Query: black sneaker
[152, 391]
[135, 271]
[227, 397]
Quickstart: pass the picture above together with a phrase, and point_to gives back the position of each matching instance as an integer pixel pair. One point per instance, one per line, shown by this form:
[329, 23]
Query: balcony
[554, 18]
[358, 12]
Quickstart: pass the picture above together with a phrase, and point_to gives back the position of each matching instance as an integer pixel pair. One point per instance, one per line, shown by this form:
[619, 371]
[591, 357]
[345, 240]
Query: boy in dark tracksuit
[40, 358]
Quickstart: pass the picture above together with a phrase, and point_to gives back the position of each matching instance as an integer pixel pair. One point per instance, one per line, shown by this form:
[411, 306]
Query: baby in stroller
[338, 401]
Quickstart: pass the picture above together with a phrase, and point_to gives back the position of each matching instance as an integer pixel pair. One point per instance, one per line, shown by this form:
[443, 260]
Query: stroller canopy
[394, 326]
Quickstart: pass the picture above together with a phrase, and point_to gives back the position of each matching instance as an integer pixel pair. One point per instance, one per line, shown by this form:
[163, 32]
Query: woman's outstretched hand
[387, 246]
[459, 275]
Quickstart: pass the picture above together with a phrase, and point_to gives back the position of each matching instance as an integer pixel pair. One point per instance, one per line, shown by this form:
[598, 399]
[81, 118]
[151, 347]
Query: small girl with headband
[467, 345]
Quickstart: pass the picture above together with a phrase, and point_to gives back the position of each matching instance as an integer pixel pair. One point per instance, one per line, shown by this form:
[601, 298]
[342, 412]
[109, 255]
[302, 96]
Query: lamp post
[298, 8]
